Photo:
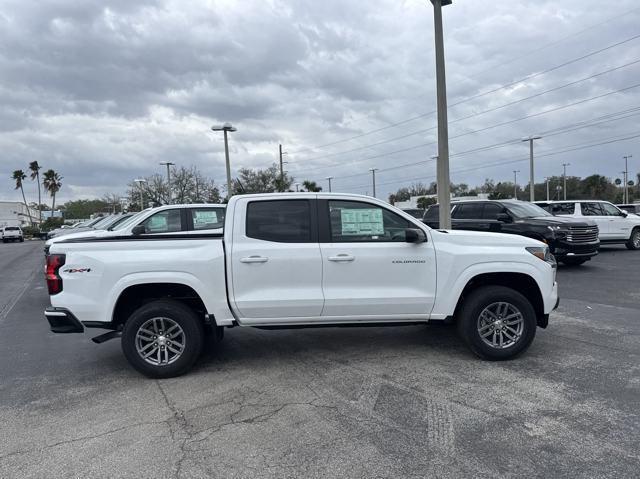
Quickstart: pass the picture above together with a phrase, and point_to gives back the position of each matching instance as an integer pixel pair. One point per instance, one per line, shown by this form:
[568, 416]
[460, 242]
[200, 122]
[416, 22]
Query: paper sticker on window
[202, 217]
[158, 222]
[362, 222]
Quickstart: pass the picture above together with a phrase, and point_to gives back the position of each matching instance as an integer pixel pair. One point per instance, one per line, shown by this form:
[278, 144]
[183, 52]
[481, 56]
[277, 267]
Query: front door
[619, 226]
[276, 268]
[369, 269]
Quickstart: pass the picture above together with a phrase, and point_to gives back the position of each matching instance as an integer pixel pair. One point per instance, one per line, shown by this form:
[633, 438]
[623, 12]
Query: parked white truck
[299, 259]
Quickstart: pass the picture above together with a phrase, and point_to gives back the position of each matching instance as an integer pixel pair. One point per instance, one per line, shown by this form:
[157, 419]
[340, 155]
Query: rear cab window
[281, 221]
[207, 218]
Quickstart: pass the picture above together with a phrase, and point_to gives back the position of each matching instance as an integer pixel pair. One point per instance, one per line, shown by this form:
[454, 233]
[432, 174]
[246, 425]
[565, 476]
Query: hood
[87, 233]
[480, 238]
[556, 221]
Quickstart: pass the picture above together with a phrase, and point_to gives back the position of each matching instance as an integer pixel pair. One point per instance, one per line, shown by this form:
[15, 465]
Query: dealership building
[15, 213]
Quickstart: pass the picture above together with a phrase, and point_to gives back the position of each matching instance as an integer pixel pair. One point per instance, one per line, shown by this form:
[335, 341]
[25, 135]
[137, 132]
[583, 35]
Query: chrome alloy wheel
[500, 325]
[160, 341]
[636, 239]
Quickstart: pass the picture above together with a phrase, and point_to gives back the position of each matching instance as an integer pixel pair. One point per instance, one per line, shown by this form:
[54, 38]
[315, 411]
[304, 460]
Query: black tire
[21, 240]
[192, 337]
[634, 240]
[468, 321]
[573, 261]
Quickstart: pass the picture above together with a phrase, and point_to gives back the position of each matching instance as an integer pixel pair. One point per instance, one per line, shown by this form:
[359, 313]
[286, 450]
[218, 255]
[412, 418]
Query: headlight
[542, 252]
[554, 228]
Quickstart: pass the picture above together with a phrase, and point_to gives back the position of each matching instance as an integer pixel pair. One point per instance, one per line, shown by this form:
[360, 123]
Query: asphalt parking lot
[338, 402]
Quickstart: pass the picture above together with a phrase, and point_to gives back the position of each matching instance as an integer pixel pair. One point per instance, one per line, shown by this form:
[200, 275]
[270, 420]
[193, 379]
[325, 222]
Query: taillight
[54, 281]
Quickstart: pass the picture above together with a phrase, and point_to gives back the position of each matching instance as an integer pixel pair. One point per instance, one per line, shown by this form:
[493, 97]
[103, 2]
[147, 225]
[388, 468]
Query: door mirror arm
[138, 230]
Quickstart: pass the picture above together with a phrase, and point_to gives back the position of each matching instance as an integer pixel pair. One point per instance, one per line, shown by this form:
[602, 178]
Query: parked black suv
[571, 241]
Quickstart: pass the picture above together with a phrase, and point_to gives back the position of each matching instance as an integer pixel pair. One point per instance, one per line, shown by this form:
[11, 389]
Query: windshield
[523, 210]
[102, 223]
[128, 221]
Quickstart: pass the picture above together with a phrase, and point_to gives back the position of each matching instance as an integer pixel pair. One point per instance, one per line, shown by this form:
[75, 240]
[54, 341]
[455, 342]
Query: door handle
[342, 258]
[254, 259]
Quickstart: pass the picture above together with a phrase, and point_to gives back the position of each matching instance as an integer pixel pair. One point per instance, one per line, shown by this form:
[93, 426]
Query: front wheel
[634, 240]
[497, 322]
[162, 339]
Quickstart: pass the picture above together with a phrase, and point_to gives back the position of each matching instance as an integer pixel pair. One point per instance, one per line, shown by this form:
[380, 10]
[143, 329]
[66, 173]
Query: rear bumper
[63, 321]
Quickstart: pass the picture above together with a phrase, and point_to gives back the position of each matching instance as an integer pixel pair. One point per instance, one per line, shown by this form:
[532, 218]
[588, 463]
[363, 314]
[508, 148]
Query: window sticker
[158, 222]
[362, 222]
[204, 217]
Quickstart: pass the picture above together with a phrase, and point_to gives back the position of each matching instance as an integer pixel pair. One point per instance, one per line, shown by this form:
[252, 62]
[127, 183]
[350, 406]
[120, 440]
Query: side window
[469, 211]
[491, 211]
[592, 209]
[353, 221]
[167, 221]
[433, 213]
[563, 208]
[282, 221]
[610, 210]
[207, 218]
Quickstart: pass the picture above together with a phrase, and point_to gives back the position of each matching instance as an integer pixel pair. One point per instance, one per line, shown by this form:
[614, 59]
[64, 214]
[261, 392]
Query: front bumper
[563, 249]
[63, 321]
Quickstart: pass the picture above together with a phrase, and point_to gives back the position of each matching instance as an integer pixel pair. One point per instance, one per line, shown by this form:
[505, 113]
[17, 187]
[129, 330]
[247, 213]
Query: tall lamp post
[444, 187]
[532, 183]
[515, 183]
[564, 178]
[168, 164]
[626, 177]
[329, 178]
[140, 181]
[373, 172]
[547, 180]
[227, 127]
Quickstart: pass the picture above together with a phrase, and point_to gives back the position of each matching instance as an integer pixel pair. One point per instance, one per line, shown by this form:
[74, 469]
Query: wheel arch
[520, 282]
[137, 295]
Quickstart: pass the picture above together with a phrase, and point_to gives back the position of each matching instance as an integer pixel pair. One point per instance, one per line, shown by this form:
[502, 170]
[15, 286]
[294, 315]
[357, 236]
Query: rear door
[370, 271]
[276, 268]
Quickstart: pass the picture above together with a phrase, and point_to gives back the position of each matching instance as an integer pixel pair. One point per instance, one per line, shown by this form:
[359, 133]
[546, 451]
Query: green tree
[19, 177]
[35, 175]
[311, 186]
[83, 209]
[267, 180]
[52, 183]
[424, 202]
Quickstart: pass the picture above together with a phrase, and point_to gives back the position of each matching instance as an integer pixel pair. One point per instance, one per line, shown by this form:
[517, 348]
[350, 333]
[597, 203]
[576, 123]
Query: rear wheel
[634, 240]
[497, 322]
[162, 339]
[574, 261]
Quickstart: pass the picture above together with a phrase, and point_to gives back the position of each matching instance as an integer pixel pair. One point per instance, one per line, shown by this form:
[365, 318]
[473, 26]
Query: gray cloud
[104, 90]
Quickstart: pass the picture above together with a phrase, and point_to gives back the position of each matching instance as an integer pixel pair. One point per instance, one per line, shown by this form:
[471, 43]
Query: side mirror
[414, 235]
[624, 213]
[504, 218]
[139, 230]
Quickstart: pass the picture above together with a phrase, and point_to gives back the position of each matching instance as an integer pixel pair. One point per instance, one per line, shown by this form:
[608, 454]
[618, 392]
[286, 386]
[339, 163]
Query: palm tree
[35, 175]
[52, 183]
[19, 177]
[311, 186]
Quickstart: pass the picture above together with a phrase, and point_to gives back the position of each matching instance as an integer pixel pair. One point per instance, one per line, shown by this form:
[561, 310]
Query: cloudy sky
[104, 90]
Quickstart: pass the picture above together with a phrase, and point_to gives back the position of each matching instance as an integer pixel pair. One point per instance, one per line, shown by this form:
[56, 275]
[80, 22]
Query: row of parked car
[163, 220]
[574, 230]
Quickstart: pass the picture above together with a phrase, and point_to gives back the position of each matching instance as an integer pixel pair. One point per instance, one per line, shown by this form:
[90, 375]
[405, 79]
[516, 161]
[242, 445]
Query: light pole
[140, 181]
[168, 165]
[532, 183]
[564, 179]
[547, 179]
[444, 194]
[227, 127]
[329, 178]
[373, 172]
[281, 154]
[626, 178]
[297, 187]
[515, 183]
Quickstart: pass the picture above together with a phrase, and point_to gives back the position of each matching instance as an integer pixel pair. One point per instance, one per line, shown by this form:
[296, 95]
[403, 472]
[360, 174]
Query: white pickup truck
[295, 260]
